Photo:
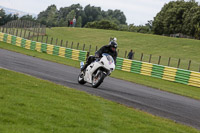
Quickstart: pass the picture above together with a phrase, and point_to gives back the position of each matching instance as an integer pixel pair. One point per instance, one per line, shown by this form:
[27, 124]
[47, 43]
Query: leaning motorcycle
[97, 71]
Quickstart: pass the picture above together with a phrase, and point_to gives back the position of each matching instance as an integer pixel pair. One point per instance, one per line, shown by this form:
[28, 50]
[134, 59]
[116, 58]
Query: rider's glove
[96, 56]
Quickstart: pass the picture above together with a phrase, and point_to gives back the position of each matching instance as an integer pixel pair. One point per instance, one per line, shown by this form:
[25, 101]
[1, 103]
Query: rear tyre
[97, 80]
[81, 78]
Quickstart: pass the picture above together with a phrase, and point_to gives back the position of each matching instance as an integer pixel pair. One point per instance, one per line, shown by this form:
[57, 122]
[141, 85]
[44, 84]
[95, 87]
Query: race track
[175, 107]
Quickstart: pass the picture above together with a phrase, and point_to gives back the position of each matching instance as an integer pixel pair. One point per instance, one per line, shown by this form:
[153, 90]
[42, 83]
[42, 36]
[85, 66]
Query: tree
[79, 22]
[49, 16]
[28, 17]
[177, 17]
[71, 15]
[2, 17]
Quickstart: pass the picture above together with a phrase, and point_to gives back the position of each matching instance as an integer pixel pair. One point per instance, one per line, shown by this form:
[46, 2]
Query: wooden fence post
[29, 33]
[96, 48]
[17, 32]
[13, 32]
[56, 41]
[90, 49]
[133, 55]
[189, 64]
[66, 44]
[150, 58]
[46, 39]
[52, 40]
[77, 45]
[169, 61]
[141, 57]
[24, 33]
[6, 29]
[199, 68]
[83, 47]
[61, 42]
[125, 54]
[37, 36]
[42, 38]
[159, 60]
[179, 61]
[20, 33]
[71, 45]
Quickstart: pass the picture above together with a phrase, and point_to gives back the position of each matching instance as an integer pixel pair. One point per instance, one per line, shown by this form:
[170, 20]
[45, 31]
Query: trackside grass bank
[30, 105]
[176, 88]
[185, 49]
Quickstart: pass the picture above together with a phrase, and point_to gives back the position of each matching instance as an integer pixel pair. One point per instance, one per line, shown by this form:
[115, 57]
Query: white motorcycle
[97, 71]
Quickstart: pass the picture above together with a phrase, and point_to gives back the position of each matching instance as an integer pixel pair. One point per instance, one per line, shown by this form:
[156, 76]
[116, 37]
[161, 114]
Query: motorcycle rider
[109, 49]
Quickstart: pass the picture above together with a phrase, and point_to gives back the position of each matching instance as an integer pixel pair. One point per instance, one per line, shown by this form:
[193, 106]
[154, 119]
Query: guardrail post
[179, 61]
[150, 58]
[189, 64]
[141, 57]
[169, 61]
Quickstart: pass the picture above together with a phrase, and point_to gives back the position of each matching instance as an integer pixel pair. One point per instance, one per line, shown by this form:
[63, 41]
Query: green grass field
[30, 105]
[185, 49]
[172, 87]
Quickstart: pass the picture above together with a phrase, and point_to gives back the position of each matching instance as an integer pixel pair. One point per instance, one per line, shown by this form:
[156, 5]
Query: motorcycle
[97, 70]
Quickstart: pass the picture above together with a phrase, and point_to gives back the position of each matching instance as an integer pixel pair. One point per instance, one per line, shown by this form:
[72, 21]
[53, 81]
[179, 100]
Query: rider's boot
[84, 68]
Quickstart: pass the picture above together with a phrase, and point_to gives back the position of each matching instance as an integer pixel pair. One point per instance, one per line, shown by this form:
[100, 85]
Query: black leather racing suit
[104, 49]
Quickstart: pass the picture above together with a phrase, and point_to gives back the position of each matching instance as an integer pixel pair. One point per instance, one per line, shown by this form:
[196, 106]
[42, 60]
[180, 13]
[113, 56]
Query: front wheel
[98, 79]
[81, 78]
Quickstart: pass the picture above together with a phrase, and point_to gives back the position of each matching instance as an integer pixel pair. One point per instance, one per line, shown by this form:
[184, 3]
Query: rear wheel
[81, 78]
[98, 79]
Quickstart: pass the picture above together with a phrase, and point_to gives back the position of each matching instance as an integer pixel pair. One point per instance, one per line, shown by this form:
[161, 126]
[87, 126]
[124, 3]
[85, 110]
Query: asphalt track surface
[178, 108]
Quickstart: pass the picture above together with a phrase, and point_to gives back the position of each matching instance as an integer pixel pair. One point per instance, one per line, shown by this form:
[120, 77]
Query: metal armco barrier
[43, 47]
[158, 71]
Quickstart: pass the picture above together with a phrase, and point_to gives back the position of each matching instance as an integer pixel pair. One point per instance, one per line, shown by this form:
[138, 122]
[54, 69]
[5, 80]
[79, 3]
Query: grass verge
[185, 49]
[32, 105]
[172, 87]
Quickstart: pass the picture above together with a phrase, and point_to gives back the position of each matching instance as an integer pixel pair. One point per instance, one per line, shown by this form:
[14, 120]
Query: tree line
[178, 17]
[175, 17]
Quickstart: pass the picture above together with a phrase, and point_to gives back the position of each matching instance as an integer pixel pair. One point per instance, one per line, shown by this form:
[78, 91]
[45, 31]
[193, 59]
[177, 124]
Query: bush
[103, 24]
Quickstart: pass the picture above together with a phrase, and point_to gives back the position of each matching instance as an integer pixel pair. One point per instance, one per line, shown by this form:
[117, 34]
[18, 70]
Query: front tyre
[98, 79]
[81, 78]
